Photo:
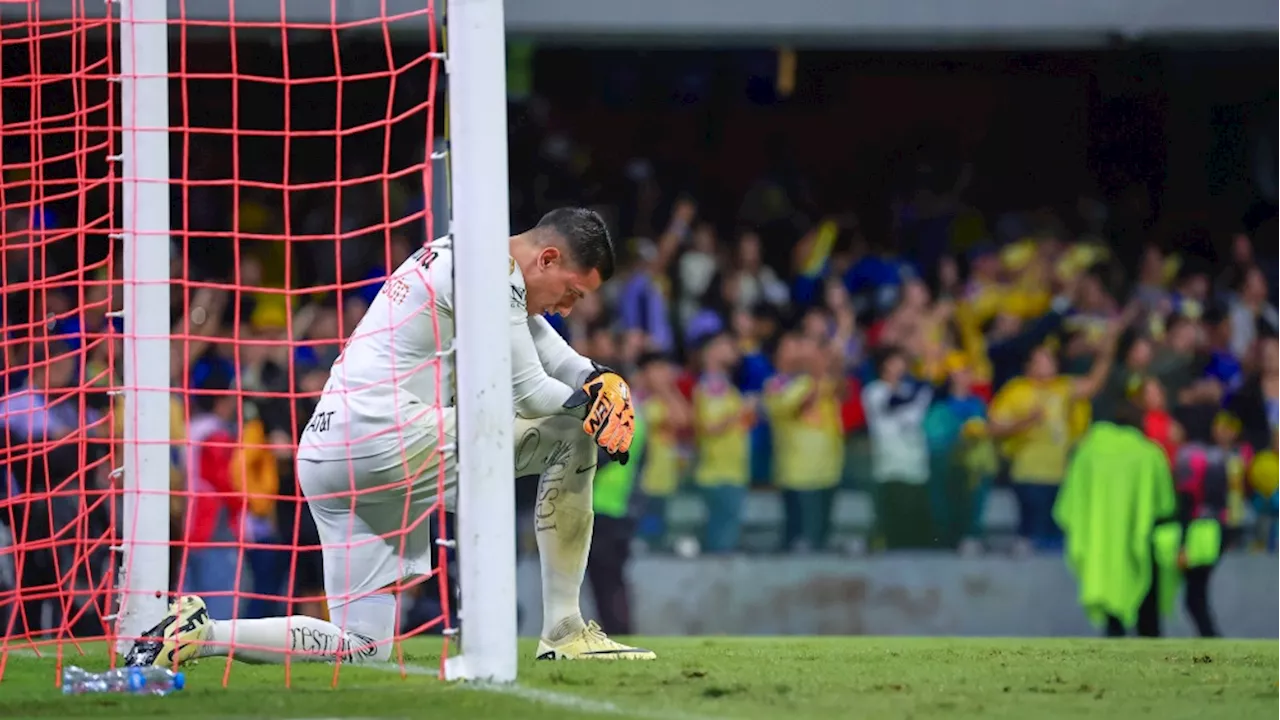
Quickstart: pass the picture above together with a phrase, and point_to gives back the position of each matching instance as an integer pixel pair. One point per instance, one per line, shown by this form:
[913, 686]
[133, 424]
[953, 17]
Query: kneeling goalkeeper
[380, 447]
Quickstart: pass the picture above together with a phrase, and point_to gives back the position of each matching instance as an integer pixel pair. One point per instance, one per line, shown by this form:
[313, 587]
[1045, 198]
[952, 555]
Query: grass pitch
[722, 678]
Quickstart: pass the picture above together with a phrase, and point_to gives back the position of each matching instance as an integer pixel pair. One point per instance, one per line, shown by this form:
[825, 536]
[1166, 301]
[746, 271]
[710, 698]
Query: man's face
[603, 346]
[660, 374]
[1197, 286]
[787, 354]
[1255, 286]
[1006, 325]
[895, 368]
[749, 250]
[1140, 354]
[1270, 353]
[554, 284]
[915, 294]
[721, 352]
[1092, 295]
[986, 265]
[1224, 433]
[815, 324]
[1153, 397]
[1182, 337]
[1042, 365]
[255, 352]
[61, 371]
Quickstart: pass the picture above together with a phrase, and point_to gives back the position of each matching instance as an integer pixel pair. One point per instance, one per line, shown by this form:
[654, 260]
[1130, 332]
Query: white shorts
[373, 514]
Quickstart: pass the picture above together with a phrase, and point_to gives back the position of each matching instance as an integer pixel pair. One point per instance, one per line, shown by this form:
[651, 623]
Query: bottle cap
[179, 681]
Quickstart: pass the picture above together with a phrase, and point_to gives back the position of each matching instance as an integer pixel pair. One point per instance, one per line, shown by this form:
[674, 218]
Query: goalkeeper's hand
[611, 419]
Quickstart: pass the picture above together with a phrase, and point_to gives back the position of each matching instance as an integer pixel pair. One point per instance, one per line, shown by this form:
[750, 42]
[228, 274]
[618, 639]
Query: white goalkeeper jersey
[387, 387]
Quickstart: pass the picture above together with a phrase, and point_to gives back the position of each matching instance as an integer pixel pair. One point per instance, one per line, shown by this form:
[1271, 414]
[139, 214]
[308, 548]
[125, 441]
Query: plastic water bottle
[128, 680]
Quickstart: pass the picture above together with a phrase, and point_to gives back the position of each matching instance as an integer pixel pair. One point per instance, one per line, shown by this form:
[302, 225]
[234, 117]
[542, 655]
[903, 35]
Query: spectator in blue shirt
[37, 411]
[33, 419]
[754, 369]
[641, 302]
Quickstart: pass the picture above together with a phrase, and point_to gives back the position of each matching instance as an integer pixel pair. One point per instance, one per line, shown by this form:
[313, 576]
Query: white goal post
[143, 161]
[485, 532]
[486, 519]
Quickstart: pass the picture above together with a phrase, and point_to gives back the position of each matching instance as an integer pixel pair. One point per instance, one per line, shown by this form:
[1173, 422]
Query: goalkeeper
[380, 445]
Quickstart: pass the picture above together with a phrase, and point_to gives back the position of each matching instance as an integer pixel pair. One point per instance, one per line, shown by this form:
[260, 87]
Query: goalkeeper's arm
[610, 417]
[536, 393]
[561, 361]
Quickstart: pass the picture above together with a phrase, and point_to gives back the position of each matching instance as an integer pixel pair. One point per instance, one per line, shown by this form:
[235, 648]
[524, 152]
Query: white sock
[367, 638]
[563, 519]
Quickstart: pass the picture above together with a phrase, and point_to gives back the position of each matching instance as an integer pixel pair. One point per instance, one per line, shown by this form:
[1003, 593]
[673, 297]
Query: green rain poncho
[1117, 489]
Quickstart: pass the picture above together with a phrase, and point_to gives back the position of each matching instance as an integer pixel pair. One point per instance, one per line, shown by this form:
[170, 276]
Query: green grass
[707, 678]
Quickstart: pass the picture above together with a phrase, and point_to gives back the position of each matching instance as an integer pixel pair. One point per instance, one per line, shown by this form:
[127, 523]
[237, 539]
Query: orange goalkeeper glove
[611, 419]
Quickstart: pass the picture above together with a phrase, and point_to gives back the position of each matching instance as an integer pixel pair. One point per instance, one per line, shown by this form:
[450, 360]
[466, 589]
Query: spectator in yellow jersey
[722, 424]
[1029, 264]
[666, 414]
[1033, 417]
[985, 288]
[802, 402]
[1086, 326]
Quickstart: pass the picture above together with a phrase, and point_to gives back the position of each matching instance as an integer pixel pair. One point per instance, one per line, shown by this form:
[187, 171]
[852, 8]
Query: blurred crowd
[775, 351]
[926, 367]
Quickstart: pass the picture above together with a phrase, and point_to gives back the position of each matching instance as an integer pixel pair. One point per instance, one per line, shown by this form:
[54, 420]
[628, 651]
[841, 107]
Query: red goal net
[300, 175]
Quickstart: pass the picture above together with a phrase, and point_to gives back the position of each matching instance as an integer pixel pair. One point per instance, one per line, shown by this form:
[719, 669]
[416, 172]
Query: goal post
[296, 143]
[144, 176]
[486, 524]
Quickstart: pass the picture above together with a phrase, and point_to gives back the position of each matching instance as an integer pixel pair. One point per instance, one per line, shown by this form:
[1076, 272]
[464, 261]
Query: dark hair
[1129, 414]
[1099, 271]
[713, 297]
[707, 339]
[1215, 314]
[597, 327]
[586, 235]
[651, 357]
[1242, 278]
[1178, 319]
[764, 311]
[791, 333]
[886, 353]
[1129, 339]
[216, 386]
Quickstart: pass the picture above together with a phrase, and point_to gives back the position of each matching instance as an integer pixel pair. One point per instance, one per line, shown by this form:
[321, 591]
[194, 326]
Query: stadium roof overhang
[918, 24]
[891, 24]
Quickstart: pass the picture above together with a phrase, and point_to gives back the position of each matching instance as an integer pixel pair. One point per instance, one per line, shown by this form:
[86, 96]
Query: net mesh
[300, 175]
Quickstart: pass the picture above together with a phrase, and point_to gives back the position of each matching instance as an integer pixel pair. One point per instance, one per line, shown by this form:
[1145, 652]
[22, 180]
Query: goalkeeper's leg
[564, 458]
[370, 516]
[188, 632]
